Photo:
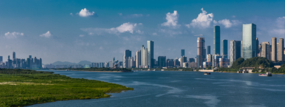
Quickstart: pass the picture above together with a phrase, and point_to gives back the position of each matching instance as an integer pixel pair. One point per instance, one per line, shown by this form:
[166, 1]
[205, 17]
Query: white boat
[267, 74]
[207, 73]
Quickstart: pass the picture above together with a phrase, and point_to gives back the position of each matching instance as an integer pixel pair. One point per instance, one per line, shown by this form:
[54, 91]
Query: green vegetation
[97, 69]
[25, 87]
[252, 62]
[259, 63]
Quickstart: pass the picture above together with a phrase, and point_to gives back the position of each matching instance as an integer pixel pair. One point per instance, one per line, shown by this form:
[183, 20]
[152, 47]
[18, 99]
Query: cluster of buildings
[248, 47]
[17, 63]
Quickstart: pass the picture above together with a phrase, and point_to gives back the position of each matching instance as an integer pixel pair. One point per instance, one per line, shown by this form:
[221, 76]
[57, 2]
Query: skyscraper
[150, 61]
[138, 59]
[208, 49]
[162, 61]
[225, 48]
[128, 54]
[235, 50]
[280, 50]
[217, 39]
[14, 57]
[182, 52]
[265, 50]
[182, 60]
[1, 58]
[257, 46]
[274, 49]
[144, 57]
[200, 51]
[249, 40]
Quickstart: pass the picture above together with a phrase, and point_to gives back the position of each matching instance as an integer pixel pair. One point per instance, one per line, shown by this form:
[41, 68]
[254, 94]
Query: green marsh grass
[26, 87]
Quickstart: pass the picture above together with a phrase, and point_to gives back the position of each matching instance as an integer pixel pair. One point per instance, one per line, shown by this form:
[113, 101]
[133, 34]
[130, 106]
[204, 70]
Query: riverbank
[26, 87]
[96, 69]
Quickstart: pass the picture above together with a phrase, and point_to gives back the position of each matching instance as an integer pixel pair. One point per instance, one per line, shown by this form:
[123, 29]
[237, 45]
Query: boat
[267, 74]
[207, 73]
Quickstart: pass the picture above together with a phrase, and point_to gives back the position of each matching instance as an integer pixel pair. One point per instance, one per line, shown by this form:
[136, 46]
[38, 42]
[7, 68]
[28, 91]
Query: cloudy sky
[98, 30]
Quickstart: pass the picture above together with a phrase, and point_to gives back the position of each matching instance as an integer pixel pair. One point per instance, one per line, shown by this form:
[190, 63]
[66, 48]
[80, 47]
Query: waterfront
[183, 89]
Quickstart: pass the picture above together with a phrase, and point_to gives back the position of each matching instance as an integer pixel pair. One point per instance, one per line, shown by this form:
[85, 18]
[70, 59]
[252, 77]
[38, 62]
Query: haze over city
[86, 30]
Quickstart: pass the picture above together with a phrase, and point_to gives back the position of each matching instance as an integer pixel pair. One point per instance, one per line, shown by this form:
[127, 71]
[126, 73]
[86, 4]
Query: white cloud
[125, 27]
[85, 13]
[46, 35]
[172, 20]
[279, 28]
[13, 35]
[227, 23]
[202, 21]
[81, 35]
[71, 14]
[154, 34]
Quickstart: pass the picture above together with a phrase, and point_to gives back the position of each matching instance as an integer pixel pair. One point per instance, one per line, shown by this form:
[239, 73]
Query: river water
[183, 89]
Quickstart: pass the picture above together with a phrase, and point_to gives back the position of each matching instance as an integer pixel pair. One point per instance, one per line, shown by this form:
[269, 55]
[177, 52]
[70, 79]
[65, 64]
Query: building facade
[225, 48]
[249, 40]
[217, 39]
[280, 50]
[200, 51]
[150, 49]
[235, 50]
[274, 49]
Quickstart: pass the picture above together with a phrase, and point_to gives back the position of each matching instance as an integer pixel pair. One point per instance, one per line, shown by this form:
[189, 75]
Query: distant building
[215, 60]
[265, 50]
[208, 49]
[200, 51]
[217, 40]
[1, 58]
[235, 50]
[191, 59]
[170, 63]
[225, 48]
[209, 58]
[150, 49]
[274, 49]
[176, 63]
[249, 40]
[182, 60]
[182, 52]
[280, 50]
[138, 59]
[162, 61]
[144, 57]
[128, 54]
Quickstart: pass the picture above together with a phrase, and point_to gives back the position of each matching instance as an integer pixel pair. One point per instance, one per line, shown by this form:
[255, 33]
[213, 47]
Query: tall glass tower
[225, 48]
[249, 40]
[182, 52]
[208, 49]
[217, 40]
[150, 60]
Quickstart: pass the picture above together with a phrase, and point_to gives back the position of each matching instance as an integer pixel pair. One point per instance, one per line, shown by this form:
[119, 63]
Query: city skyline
[86, 30]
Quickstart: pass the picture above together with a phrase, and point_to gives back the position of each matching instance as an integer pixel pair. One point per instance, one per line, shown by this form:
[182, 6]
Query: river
[182, 89]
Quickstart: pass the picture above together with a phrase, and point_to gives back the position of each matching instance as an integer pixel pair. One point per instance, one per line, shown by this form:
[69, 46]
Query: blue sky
[75, 30]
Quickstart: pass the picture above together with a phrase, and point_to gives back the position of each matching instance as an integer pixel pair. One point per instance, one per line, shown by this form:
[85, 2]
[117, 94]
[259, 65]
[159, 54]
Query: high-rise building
[191, 60]
[274, 49]
[217, 39]
[128, 54]
[235, 50]
[208, 49]
[162, 61]
[182, 60]
[170, 63]
[182, 52]
[200, 51]
[225, 48]
[176, 63]
[1, 58]
[265, 50]
[209, 58]
[249, 40]
[14, 57]
[144, 57]
[138, 59]
[257, 44]
[150, 61]
[280, 50]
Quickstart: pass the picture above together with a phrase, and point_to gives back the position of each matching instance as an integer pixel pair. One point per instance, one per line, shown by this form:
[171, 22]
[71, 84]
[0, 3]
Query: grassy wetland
[26, 87]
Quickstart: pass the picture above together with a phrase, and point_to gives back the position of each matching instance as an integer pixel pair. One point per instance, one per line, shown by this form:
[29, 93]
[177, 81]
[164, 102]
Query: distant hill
[71, 63]
[252, 62]
[84, 62]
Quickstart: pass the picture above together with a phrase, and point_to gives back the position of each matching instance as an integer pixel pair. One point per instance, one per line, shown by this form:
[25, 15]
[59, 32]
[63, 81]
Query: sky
[98, 30]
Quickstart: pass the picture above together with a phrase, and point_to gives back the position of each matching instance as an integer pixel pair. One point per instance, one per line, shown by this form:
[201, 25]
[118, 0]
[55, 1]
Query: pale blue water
[183, 89]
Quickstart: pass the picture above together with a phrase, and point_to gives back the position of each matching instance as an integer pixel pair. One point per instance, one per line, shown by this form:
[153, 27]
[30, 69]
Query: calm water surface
[183, 89]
